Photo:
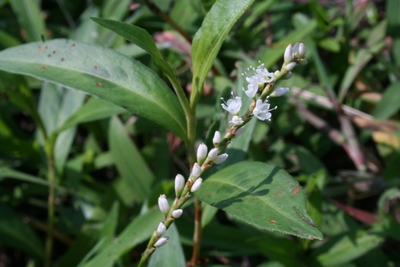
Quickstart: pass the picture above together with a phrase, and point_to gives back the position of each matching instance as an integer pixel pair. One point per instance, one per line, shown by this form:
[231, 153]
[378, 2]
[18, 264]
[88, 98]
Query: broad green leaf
[94, 109]
[209, 38]
[261, 195]
[17, 234]
[30, 18]
[129, 161]
[390, 102]
[170, 254]
[139, 230]
[102, 73]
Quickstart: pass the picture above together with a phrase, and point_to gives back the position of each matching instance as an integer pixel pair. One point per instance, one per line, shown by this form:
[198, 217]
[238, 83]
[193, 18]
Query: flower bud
[280, 91]
[290, 66]
[161, 241]
[239, 131]
[303, 62]
[161, 228]
[295, 49]
[177, 213]
[221, 158]
[196, 171]
[289, 75]
[196, 185]
[213, 154]
[217, 138]
[201, 153]
[163, 204]
[287, 57]
[179, 184]
[302, 49]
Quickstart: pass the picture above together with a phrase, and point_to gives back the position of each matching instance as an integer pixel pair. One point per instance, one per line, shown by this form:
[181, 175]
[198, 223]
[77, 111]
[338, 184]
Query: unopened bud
[177, 213]
[289, 75]
[280, 91]
[196, 171]
[213, 154]
[295, 49]
[161, 241]
[163, 204]
[221, 158]
[290, 66]
[196, 185]
[201, 153]
[302, 49]
[287, 57]
[217, 138]
[239, 131]
[179, 184]
[161, 228]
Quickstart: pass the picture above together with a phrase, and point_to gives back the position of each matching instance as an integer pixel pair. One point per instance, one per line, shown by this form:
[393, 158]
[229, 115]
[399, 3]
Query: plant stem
[197, 232]
[51, 177]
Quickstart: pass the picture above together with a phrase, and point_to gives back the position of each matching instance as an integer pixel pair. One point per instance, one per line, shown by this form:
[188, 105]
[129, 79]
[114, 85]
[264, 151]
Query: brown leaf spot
[54, 51]
[40, 49]
[277, 194]
[272, 222]
[296, 190]
[99, 84]
[73, 45]
[44, 67]
[49, 55]
[46, 47]
[96, 67]
[38, 68]
[256, 198]
[62, 59]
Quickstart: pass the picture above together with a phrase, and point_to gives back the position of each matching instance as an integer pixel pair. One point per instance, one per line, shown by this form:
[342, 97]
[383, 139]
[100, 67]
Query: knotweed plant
[259, 88]
[260, 194]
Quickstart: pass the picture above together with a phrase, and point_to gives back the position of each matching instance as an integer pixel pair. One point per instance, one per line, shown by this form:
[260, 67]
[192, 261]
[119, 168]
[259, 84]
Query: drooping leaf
[261, 195]
[129, 161]
[102, 73]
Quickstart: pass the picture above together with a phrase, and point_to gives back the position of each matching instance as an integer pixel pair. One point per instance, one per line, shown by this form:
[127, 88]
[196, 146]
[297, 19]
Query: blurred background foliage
[337, 133]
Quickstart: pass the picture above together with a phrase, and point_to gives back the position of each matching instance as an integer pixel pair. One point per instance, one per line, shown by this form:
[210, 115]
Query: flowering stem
[197, 232]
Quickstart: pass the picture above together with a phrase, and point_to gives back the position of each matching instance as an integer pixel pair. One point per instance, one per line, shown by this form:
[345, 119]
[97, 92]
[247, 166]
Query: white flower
[288, 56]
[232, 105]
[302, 49]
[262, 111]
[221, 158]
[196, 185]
[177, 213]
[161, 228]
[179, 184]
[196, 171]
[236, 120]
[290, 66]
[280, 91]
[201, 152]
[161, 241]
[295, 49]
[217, 138]
[261, 75]
[252, 90]
[213, 154]
[163, 204]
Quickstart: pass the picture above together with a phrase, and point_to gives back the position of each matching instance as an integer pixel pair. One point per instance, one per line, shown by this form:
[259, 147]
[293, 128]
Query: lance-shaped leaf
[100, 72]
[261, 195]
[209, 38]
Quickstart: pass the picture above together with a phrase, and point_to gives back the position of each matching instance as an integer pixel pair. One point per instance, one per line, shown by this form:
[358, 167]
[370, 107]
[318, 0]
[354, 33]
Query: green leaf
[136, 232]
[30, 18]
[102, 73]
[330, 44]
[94, 109]
[17, 234]
[390, 102]
[261, 195]
[129, 161]
[342, 249]
[209, 38]
[170, 254]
